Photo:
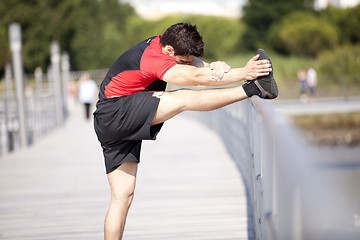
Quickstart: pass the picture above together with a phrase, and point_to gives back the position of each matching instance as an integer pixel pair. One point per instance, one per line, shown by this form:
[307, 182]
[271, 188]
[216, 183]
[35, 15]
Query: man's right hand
[256, 68]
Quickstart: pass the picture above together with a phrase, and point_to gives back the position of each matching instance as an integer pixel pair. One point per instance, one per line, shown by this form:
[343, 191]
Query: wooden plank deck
[188, 187]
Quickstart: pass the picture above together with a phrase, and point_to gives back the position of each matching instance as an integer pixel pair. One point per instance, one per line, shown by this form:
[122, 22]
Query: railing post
[55, 69]
[38, 103]
[9, 134]
[65, 69]
[16, 46]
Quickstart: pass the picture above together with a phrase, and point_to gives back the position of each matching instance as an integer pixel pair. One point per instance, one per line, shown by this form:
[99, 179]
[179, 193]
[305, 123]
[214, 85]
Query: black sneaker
[266, 84]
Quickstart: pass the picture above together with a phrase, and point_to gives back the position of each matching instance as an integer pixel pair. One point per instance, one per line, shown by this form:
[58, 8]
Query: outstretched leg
[173, 103]
[122, 183]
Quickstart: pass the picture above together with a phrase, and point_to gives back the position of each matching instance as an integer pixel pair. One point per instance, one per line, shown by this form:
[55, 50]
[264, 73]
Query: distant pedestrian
[311, 79]
[87, 93]
[303, 85]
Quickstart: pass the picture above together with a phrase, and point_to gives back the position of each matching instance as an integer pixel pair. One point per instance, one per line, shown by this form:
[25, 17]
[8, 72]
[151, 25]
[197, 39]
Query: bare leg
[122, 183]
[173, 103]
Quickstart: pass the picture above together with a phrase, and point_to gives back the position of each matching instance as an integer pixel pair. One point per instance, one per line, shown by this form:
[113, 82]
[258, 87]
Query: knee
[122, 196]
[122, 182]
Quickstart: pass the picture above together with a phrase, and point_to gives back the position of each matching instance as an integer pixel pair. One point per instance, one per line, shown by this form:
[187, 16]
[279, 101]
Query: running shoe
[266, 84]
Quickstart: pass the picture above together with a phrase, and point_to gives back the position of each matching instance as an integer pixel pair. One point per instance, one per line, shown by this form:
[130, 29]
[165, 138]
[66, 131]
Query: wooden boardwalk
[187, 188]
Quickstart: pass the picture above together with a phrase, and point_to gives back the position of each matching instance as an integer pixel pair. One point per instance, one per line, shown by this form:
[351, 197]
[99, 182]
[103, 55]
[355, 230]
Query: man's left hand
[219, 69]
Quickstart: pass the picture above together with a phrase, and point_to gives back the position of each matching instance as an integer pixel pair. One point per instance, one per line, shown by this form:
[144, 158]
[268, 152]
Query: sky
[154, 9]
[319, 4]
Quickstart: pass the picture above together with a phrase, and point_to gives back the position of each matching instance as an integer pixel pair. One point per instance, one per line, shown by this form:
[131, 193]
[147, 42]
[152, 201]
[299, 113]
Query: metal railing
[289, 196]
[40, 118]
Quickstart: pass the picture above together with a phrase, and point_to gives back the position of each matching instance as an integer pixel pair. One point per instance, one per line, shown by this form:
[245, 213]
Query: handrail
[288, 194]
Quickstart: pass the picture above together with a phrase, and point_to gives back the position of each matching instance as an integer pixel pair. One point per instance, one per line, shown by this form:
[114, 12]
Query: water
[342, 165]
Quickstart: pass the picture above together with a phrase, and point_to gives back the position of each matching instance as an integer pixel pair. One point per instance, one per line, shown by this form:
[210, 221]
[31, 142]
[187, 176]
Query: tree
[341, 61]
[28, 16]
[4, 49]
[303, 34]
[259, 15]
[347, 22]
[89, 30]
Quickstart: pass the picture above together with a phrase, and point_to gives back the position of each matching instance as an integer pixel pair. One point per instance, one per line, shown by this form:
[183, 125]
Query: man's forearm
[185, 75]
[205, 77]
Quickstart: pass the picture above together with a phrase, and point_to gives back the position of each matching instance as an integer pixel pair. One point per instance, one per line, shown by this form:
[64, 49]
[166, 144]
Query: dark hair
[185, 39]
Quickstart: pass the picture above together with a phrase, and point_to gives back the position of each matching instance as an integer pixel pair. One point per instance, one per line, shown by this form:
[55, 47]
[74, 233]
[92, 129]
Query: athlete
[133, 103]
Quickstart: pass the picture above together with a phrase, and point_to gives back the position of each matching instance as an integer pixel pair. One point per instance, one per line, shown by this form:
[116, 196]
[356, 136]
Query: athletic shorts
[122, 123]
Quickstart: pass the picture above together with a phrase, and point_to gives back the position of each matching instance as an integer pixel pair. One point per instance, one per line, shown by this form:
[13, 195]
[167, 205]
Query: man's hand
[219, 69]
[254, 68]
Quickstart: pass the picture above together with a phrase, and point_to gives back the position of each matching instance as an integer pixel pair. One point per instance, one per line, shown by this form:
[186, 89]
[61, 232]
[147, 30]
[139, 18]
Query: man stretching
[133, 104]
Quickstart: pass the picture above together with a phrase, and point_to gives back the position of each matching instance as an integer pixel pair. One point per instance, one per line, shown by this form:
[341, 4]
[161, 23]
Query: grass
[331, 129]
[329, 121]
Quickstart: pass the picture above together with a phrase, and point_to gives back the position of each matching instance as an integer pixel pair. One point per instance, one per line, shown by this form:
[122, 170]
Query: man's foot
[266, 84]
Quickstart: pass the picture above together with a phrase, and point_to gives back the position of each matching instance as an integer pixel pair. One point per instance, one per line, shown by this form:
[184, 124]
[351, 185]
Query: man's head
[183, 40]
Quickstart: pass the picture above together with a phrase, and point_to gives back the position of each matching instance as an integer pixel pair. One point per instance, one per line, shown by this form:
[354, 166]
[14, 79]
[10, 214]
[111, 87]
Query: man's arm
[186, 75]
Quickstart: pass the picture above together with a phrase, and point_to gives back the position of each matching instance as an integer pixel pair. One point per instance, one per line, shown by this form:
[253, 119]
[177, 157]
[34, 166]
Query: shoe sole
[269, 78]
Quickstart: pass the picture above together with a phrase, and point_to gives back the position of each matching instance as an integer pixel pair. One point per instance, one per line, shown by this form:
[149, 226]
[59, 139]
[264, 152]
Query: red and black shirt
[141, 68]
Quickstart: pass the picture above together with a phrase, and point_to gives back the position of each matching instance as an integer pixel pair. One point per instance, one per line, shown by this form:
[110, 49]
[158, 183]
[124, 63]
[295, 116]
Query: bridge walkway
[188, 187]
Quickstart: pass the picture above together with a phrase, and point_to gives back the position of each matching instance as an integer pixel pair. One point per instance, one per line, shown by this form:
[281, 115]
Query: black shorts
[122, 123]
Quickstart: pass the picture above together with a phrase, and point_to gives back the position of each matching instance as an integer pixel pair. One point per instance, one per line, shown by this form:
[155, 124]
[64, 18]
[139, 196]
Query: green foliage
[341, 61]
[95, 33]
[220, 35]
[303, 34]
[347, 22]
[84, 44]
[29, 17]
[259, 15]
[4, 47]
[79, 25]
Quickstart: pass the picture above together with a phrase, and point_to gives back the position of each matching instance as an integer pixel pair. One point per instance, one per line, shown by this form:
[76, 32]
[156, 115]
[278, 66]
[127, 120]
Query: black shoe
[266, 84]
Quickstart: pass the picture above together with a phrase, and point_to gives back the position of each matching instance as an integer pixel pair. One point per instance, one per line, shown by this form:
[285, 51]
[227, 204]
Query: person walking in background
[303, 85]
[311, 79]
[87, 93]
[133, 103]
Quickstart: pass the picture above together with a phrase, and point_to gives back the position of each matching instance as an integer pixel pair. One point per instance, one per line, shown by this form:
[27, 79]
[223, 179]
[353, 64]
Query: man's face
[183, 59]
[169, 50]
